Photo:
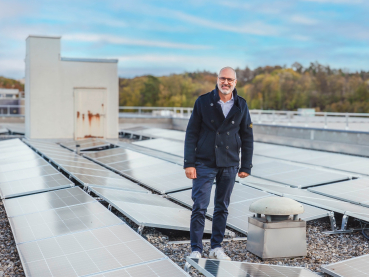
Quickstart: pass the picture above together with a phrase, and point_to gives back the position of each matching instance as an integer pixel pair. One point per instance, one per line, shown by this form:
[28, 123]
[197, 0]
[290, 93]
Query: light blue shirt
[227, 106]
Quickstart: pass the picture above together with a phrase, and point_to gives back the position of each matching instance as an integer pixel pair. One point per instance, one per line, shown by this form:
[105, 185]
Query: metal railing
[182, 112]
[358, 121]
[11, 110]
[323, 119]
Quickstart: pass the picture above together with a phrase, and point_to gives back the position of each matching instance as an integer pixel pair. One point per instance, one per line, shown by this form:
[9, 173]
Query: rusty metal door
[89, 116]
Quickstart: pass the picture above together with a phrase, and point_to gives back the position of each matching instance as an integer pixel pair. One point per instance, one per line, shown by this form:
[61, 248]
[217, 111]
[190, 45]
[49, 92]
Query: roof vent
[276, 235]
[276, 208]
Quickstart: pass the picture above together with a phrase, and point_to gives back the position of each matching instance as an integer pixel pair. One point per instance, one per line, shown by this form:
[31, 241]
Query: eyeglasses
[223, 79]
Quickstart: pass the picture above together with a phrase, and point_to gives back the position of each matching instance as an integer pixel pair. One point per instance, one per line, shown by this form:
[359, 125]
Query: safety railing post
[347, 121]
[325, 120]
[289, 114]
[259, 116]
[273, 117]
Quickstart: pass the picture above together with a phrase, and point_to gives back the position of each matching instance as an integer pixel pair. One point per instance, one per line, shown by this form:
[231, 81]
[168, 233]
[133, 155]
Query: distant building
[9, 93]
[69, 97]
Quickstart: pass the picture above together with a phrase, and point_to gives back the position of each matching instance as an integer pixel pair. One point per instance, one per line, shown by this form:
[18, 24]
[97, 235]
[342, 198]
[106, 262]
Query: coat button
[217, 133]
[185, 160]
[212, 121]
[227, 147]
[216, 146]
[211, 104]
[228, 133]
[232, 122]
[250, 165]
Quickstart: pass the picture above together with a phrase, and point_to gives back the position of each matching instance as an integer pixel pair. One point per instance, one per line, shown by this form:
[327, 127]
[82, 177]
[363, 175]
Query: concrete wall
[49, 86]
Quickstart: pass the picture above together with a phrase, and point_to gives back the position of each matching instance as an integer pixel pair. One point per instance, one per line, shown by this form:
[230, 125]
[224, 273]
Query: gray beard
[225, 92]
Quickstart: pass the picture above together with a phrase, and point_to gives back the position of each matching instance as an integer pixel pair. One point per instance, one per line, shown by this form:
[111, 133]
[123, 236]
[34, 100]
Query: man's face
[226, 81]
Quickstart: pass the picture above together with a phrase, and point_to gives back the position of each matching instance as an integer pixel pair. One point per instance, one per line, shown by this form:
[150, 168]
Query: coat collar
[217, 98]
[235, 107]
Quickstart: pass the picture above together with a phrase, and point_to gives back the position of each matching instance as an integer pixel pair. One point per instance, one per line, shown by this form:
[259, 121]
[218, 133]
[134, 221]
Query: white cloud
[131, 41]
[303, 20]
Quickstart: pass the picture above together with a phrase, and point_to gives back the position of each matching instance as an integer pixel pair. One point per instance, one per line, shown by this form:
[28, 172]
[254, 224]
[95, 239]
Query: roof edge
[39, 36]
[64, 59]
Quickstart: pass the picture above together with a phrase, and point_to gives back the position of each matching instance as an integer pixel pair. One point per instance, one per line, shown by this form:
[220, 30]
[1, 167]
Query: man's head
[227, 80]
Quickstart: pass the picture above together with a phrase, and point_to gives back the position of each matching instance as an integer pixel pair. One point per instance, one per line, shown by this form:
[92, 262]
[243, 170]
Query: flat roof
[89, 60]
[39, 36]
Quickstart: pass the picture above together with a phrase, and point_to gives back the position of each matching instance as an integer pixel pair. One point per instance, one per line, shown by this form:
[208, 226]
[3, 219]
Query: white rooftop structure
[69, 97]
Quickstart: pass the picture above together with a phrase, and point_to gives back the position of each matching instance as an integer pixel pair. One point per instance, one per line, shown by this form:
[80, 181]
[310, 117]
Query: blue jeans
[201, 190]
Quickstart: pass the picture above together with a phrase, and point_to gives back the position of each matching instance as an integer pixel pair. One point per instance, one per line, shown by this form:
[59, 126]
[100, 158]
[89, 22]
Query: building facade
[69, 97]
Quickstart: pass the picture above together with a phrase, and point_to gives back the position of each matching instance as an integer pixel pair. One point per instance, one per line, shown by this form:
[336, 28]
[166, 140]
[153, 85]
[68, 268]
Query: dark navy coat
[217, 141]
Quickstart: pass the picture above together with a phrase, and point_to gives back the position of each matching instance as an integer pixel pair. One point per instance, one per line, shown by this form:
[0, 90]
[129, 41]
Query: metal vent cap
[276, 206]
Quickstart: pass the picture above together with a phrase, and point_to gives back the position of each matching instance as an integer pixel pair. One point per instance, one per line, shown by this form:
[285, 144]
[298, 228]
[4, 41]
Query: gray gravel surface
[322, 249]
[10, 264]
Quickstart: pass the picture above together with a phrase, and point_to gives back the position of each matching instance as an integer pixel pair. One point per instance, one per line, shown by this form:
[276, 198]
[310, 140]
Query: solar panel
[149, 210]
[112, 183]
[27, 157]
[34, 185]
[107, 153]
[62, 221]
[27, 173]
[317, 200]
[336, 161]
[218, 268]
[86, 253]
[45, 201]
[23, 165]
[102, 172]
[295, 176]
[354, 191]
[355, 267]
[81, 163]
[163, 268]
[164, 145]
[85, 144]
[149, 152]
[241, 199]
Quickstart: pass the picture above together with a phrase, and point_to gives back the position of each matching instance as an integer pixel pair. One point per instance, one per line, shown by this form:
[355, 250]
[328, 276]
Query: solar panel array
[216, 268]
[85, 144]
[355, 267]
[149, 210]
[23, 172]
[336, 161]
[159, 175]
[266, 168]
[314, 199]
[241, 199]
[68, 233]
[83, 170]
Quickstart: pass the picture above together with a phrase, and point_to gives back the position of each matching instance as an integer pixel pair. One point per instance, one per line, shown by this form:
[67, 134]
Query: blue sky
[163, 37]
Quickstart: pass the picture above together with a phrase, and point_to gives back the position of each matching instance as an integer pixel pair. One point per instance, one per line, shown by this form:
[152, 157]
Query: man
[219, 129]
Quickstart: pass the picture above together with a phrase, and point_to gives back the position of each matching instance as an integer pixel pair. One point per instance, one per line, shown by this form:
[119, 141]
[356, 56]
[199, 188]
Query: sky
[162, 37]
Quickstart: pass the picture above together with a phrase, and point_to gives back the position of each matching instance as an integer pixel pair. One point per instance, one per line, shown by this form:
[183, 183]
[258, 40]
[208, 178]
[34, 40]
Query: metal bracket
[334, 226]
[230, 234]
[140, 229]
[109, 207]
[333, 221]
[187, 267]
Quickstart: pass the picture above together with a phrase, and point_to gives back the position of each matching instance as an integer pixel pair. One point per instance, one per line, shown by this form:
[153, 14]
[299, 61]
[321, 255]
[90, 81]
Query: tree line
[268, 88]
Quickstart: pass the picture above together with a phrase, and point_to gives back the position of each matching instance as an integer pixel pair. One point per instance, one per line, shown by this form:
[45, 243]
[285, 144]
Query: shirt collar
[230, 100]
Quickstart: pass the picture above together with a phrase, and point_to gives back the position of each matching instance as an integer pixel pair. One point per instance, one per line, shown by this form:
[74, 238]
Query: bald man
[218, 131]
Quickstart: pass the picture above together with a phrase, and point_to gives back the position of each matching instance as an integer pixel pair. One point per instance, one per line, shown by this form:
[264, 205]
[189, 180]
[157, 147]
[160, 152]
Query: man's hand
[243, 174]
[191, 173]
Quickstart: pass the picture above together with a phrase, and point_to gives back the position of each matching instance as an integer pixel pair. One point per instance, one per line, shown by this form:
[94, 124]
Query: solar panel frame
[111, 183]
[34, 185]
[217, 268]
[20, 165]
[27, 173]
[46, 201]
[152, 211]
[349, 268]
